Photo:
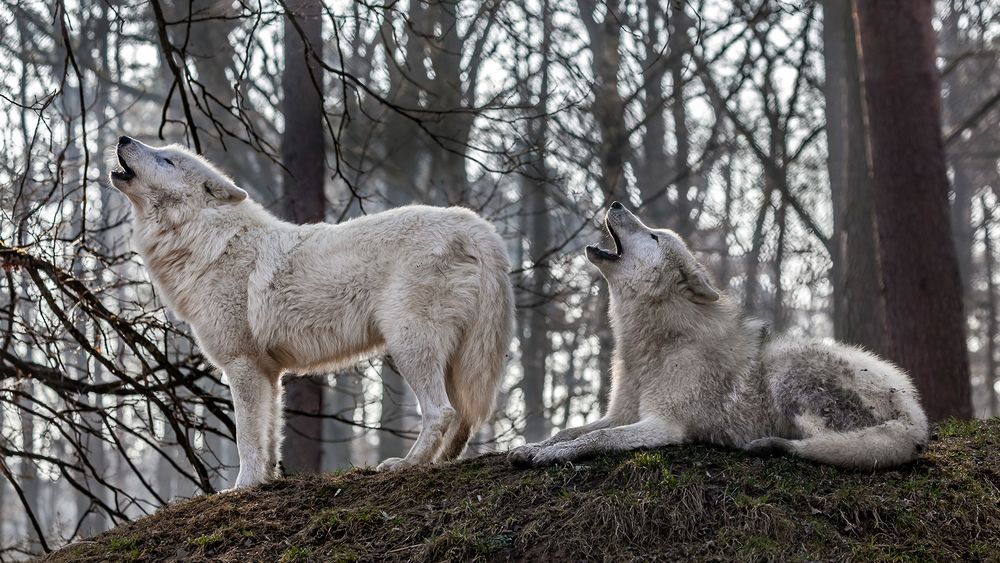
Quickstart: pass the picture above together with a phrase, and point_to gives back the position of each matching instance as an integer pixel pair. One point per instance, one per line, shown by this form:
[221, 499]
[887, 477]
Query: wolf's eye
[654, 237]
[168, 161]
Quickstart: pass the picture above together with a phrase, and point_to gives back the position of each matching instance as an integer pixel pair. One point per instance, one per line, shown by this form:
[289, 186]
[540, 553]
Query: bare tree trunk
[75, 357]
[680, 24]
[449, 182]
[212, 51]
[725, 268]
[303, 153]
[403, 140]
[835, 39]
[993, 321]
[856, 296]
[609, 113]
[28, 473]
[925, 322]
[955, 107]
[608, 107]
[752, 261]
[654, 152]
[406, 180]
[342, 400]
[537, 346]
[778, 307]
[303, 141]
[961, 221]
[7, 305]
[398, 414]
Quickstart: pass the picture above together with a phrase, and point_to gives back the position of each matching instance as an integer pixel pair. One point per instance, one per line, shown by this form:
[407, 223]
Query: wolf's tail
[898, 440]
[884, 445]
[475, 368]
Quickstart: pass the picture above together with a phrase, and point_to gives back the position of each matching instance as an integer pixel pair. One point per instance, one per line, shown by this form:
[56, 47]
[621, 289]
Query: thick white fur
[689, 367]
[427, 285]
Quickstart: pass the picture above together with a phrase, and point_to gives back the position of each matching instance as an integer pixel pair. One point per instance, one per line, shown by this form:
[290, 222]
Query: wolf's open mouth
[126, 173]
[598, 252]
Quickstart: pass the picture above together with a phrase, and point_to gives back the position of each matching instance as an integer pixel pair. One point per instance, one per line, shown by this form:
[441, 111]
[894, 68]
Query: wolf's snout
[124, 173]
[619, 216]
[618, 213]
[595, 252]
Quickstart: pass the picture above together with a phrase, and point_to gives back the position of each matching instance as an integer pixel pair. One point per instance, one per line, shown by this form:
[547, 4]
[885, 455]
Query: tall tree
[406, 178]
[680, 42]
[654, 167]
[956, 106]
[536, 343]
[925, 323]
[451, 127]
[857, 311]
[209, 48]
[992, 311]
[608, 107]
[304, 157]
[608, 110]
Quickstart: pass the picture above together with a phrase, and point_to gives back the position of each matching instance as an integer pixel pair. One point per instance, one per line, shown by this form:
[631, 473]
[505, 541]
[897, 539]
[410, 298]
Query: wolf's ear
[696, 285]
[224, 190]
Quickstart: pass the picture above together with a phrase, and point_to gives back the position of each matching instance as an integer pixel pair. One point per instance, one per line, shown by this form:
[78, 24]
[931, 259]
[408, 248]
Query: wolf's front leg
[277, 431]
[253, 404]
[522, 456]
[647, 433]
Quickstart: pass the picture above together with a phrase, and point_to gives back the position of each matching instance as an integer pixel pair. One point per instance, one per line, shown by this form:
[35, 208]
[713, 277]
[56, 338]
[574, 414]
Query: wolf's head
[170, 183]
[649, 262]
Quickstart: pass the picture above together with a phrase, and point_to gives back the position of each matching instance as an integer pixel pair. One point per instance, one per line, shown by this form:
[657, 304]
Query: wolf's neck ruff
[180, 255]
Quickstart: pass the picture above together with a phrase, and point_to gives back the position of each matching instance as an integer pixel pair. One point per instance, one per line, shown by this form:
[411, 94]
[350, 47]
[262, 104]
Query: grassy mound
[690, 503]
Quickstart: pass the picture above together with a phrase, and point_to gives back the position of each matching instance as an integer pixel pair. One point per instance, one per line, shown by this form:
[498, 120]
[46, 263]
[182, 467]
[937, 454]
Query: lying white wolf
[689, 367]
[428, 285]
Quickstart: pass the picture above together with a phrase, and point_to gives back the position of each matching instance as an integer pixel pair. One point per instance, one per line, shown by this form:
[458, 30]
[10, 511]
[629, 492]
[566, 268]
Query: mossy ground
[681, 503]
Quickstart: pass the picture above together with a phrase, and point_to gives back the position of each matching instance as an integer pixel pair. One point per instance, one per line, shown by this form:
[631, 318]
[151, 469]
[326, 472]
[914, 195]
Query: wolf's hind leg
[436, 417]
[770, 446]
[436, 413]
[455, 440]
[647, 433]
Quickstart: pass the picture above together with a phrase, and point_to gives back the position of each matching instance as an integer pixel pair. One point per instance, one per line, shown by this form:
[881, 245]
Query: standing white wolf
[690, 367]
[428, 285]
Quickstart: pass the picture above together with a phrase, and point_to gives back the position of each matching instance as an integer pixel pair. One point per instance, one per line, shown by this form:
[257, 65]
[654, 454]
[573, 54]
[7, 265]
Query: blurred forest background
[835, 166]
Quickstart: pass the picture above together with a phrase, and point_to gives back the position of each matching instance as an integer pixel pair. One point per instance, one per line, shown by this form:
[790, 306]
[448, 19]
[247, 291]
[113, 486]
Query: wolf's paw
[249, 479]
[394, 464]
[550, 456]
[523, 456]
[771, 446]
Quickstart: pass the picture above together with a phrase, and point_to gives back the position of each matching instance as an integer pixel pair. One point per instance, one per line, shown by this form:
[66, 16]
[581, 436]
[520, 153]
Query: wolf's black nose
[616, 205]
[123, 140]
